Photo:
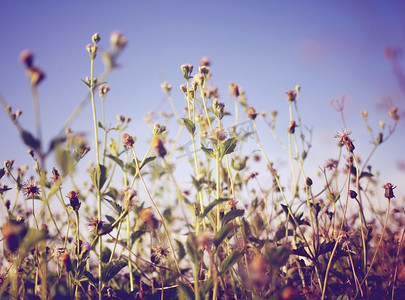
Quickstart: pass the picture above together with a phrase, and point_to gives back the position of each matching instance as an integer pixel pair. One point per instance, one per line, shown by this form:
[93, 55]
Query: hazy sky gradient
[331, 48]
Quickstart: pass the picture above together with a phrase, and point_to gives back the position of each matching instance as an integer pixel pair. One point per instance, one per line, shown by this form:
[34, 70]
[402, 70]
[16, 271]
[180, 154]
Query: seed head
[158, 253]
[31, 189]
[127, 140]
[345, 140]
[95, 225]
[389, 190]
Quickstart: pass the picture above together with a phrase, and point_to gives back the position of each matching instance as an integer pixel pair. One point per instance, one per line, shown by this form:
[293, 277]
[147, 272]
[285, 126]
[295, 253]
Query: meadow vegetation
[135, 230]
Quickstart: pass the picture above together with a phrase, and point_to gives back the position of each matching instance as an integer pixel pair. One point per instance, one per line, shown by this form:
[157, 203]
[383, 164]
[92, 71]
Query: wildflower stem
[157, 211]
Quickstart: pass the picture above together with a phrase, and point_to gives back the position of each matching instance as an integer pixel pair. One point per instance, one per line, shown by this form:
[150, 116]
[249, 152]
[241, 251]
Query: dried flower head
[234, 89]
[166, 87]
[204, 70]
[95, 225]
[158, 253]
[157, 144]
[118, 40]
[27, 58]
[148, 218]
[31, 189]
[345, 140]
[55, 175]
[291, 127]
[103, 90]
[219, 134]
[251, 112]
[187, 70]
[291, 96]
[394, 113]
[127, 140]
[205, 62]
[74, 200]
[66, 262]
[130, 195]
[331, 164]
[389, 190]
[95, 38]
[36, 75]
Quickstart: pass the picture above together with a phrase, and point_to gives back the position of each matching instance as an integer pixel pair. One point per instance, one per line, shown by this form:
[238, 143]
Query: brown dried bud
[234, 89]
[66, 262]
[103, 90]
[157, 144]
[118, 40]
[55, 175]
[291, 96]
[127, 140]
[251, 112]
[74, 200]
[148, 218]
[219, 134]
[352, 194]
[205, 62]
[394, 113]
[308, 181]
[27, 58]
[389, 190]
[291, 127]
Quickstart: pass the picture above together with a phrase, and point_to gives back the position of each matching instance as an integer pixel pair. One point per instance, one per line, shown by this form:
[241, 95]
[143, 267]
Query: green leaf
[342, 297]
[223, 233]
[185, 292]
[2, 172]
[181, 252]
[230, 260]
[228, 146]
[136, 235]
[91, 278]
[210, 206]
[29, 140]
[147, 160]
[365, 174]
[232, 215]
[190, 126]
[111, 269]
[277, 256]
[116, 160]
[192, 249]
[99, 176]
[100, 125]
[208, 151]
[32, 238]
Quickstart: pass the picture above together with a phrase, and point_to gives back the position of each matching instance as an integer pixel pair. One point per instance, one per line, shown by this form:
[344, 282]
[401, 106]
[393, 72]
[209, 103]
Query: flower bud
[219, 134]
[118, 40]
[251, 112]
[66, 262]
[127, 140]
[157, 144]
[95, 38]
[27, 58]
[291, 96]
[166, 87]
[291, 127]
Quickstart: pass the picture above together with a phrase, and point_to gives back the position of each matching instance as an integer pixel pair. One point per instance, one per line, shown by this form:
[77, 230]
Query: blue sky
[331, 48]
